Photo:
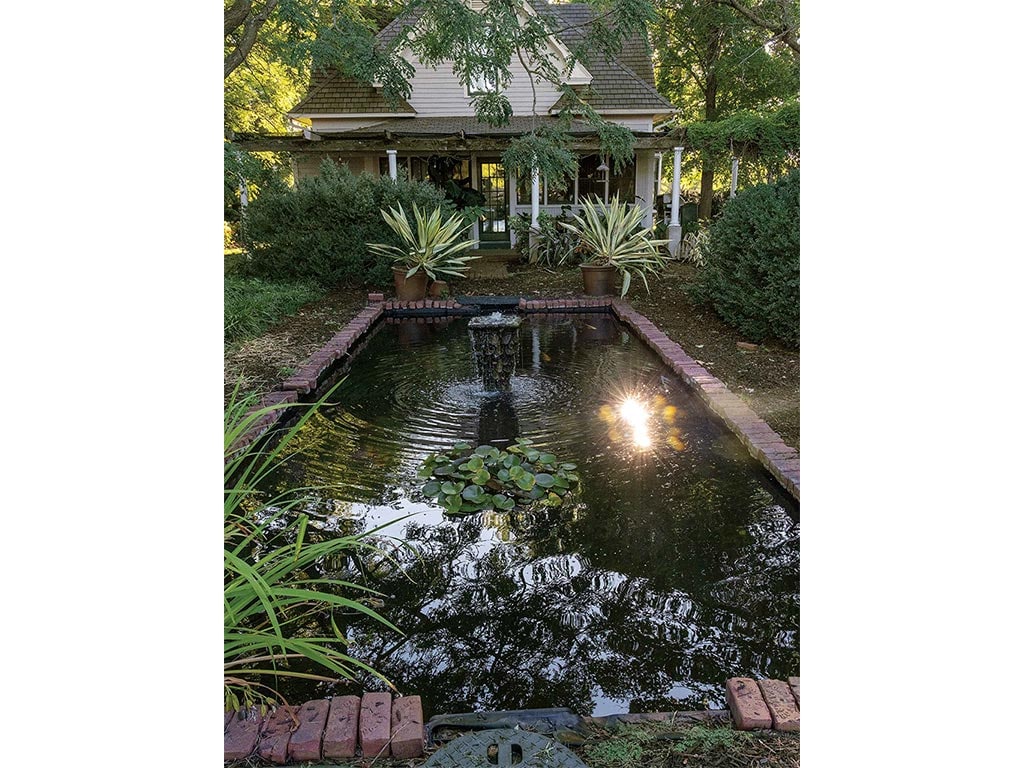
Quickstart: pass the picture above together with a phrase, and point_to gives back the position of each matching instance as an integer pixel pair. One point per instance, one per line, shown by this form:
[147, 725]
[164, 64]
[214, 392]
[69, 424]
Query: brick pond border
[761, 441]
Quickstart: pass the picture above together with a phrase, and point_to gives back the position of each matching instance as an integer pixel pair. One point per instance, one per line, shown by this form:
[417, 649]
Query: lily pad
[432, 488]
[544, 480]
[525, 481]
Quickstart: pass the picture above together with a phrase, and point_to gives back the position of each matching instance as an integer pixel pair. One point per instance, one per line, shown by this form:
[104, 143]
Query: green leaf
[481, 477]
[516, 472]
[532, 455]
[452, 489]
[554, 500]
[525, 481]
[453, 503]
[566, 466]
[432, 488]
[547, 458]
[472, 493]
[461, 447]
[503, 475]
[483, 450]
[444, 470]
[544, 480]
[502, 502]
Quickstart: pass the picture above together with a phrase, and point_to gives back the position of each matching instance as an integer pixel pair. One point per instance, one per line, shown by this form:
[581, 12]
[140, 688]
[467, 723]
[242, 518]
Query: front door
[494, 231]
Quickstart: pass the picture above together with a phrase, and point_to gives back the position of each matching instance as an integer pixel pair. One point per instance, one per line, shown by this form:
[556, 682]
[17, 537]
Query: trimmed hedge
[752, 277]
[319, 229]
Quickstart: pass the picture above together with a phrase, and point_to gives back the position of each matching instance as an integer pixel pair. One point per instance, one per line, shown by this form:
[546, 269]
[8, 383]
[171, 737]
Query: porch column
[675, 231]
[513, 206]
[645, 188]
[534, 208]
[393, 164]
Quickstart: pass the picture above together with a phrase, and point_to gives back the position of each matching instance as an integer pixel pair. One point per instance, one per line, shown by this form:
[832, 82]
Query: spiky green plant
[268, 595]
[613, 236]
[434, 246]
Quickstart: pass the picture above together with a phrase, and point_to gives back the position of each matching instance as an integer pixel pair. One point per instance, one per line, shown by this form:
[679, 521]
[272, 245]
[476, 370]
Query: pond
[674, 566]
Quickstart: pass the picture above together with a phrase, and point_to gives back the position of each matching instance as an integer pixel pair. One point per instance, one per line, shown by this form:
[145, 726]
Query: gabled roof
[331, 93]
[623, 83]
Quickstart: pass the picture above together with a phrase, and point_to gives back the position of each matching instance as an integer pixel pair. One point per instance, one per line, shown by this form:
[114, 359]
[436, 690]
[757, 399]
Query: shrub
[319, 229]
[555, 246]
[752, 277]
[252, 305]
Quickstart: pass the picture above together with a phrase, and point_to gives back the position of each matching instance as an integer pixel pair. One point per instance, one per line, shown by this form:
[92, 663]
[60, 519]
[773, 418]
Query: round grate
[504, 747]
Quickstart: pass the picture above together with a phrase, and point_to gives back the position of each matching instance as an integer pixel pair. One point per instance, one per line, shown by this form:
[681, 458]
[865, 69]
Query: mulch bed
[768, 379]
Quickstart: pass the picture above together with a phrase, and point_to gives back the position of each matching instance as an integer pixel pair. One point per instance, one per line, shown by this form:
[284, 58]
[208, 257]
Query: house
[435, 135]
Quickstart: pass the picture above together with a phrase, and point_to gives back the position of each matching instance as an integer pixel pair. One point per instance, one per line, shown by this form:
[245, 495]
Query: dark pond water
[675, 566]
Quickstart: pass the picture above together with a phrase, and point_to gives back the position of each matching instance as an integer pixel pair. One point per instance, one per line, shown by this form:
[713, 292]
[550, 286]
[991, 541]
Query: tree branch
[783, 31]
[253, 24]
[235, 15]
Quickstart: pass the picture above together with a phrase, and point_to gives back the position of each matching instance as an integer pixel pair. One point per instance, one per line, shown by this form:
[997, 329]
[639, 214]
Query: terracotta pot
[437, 288]
[597, 281]
[410, 288]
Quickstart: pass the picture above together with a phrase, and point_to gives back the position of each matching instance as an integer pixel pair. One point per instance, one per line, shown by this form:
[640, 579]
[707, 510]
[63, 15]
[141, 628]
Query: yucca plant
[434, 246]
[270, 599]
[613, 236]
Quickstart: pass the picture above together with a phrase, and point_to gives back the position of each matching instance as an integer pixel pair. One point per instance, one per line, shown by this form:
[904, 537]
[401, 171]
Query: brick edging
[764, 704]
[761, 441]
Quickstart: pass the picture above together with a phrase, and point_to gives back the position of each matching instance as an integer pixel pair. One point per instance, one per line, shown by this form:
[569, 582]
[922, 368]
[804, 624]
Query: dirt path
[768, 379]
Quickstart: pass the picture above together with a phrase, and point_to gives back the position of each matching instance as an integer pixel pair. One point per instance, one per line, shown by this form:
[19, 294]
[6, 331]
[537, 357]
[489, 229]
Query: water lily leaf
[572, 477]
[554, 500]
[444, 470]
[532, 455]
[472, 493]
[547, 458]
[525, 481]
[514, 449]
[524, 441]
[536, 492]
[452, 489]
[475, 463]
[481, 477]
[567, 466]
[504, 475]
[544, 480]
[470, 507]
[483, 450]
[425, 472]
[453, 503]
[561, 481]
[516, 472]
[432, 488]
[502, 502]
[461, 447]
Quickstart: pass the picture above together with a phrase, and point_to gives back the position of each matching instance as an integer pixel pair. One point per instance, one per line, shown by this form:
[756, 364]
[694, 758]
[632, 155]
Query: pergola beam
[440, 143]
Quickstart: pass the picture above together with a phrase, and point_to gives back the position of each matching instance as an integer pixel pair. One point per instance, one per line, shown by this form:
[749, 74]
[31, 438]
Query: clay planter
[597, 281]
[410, 288]
[437, 288]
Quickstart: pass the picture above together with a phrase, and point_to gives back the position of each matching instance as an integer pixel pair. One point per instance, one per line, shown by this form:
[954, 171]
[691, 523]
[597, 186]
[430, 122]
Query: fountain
[495, 340]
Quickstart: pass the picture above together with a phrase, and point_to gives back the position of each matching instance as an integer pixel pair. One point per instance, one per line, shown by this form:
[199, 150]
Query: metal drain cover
[504, 747]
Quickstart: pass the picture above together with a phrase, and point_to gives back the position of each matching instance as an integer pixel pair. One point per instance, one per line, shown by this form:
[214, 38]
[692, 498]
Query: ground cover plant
[252, 305]
[464, 479]
[319, 229]
[752, 271]
[271, 583]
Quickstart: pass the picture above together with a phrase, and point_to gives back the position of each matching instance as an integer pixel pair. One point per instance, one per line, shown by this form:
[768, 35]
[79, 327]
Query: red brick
[407, 727]
[782, 705]
[794, 686]
[749, 710]
[274, 740]
[305, 742]
[241, 734]
[375, 724]
[341, 733]
[375, 297]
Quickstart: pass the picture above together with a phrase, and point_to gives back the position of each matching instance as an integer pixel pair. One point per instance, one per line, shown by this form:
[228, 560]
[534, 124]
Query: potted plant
[428, 249]
[615, 242]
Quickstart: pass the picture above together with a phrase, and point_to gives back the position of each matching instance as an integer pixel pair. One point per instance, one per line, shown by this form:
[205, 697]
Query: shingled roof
[624, 83]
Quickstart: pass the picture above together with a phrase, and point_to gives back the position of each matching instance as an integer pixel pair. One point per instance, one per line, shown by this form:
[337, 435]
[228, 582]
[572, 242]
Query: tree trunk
[707, 168]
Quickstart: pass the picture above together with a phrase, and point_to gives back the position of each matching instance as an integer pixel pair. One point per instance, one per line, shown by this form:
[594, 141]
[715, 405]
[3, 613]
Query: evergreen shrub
[752, 276]
[319, 229]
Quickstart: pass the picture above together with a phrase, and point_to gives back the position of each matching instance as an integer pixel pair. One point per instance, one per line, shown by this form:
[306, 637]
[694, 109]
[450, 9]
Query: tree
[713, 63]
[780, 17]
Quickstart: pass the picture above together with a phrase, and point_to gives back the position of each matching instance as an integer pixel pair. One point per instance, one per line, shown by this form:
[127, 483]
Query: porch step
[492, 263]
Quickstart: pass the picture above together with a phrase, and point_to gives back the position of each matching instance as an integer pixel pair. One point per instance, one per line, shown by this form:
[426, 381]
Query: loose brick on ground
[241, 734]
[342, 731]
[749, 710]
[782, 705]
[407, 727]
[375, 724]
[305, 742]
[273, 744]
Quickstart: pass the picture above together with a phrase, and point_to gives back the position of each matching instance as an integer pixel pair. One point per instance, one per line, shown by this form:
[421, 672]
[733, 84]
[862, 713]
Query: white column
[735, 176]
[535, 199]
[513, 206]
[393, 164]
[677, 162]
[645, 185]
[675, 231]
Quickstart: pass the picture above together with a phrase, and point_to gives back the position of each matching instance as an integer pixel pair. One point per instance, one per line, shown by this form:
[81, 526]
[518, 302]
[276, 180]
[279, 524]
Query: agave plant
[613, 235]
[434, 246]
[270, 595]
